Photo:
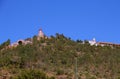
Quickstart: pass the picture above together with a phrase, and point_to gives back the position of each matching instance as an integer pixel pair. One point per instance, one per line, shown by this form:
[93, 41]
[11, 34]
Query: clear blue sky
[78, 19]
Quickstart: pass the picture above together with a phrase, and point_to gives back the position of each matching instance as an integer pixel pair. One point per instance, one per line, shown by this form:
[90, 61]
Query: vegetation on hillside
[54, 58]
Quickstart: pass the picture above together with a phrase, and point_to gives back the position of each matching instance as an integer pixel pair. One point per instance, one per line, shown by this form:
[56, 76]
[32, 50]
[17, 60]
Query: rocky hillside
[59, 57]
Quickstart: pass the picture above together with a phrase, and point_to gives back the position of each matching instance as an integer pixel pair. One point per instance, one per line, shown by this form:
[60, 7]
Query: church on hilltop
[41, 35]
[29, 40]
[94, 42]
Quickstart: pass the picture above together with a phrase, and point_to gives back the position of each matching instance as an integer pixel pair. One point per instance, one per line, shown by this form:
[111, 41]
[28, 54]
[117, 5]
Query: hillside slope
[55, 58]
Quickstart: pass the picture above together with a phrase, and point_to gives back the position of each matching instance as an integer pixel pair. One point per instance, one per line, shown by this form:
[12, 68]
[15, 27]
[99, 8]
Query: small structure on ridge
[40, 34]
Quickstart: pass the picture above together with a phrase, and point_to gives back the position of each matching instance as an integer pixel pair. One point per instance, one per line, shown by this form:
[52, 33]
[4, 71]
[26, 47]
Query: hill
[59, 57]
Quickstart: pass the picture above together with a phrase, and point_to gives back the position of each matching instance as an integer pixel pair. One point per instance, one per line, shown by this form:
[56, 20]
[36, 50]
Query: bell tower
[40, 34]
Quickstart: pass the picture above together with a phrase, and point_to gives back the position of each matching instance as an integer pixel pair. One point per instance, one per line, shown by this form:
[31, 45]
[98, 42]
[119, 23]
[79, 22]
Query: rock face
[40, 34]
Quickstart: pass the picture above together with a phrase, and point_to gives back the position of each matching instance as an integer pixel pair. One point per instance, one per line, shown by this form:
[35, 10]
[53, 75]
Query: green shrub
[32, 74]
[60, 72]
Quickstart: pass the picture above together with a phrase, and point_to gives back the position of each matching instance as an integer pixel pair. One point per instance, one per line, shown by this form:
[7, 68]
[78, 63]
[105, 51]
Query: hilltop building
[108, 44]
[28, 40]
[93, 42]
[40, 34]
[21, 42]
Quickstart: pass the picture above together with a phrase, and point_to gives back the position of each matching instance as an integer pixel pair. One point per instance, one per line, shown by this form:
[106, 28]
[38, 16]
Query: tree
[5, 44]
[79, 41]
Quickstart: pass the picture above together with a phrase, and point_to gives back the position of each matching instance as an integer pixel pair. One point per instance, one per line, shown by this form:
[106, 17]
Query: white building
[93, 42]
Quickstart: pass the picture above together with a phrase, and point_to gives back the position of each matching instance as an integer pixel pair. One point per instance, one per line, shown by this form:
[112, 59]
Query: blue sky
[77, 19]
